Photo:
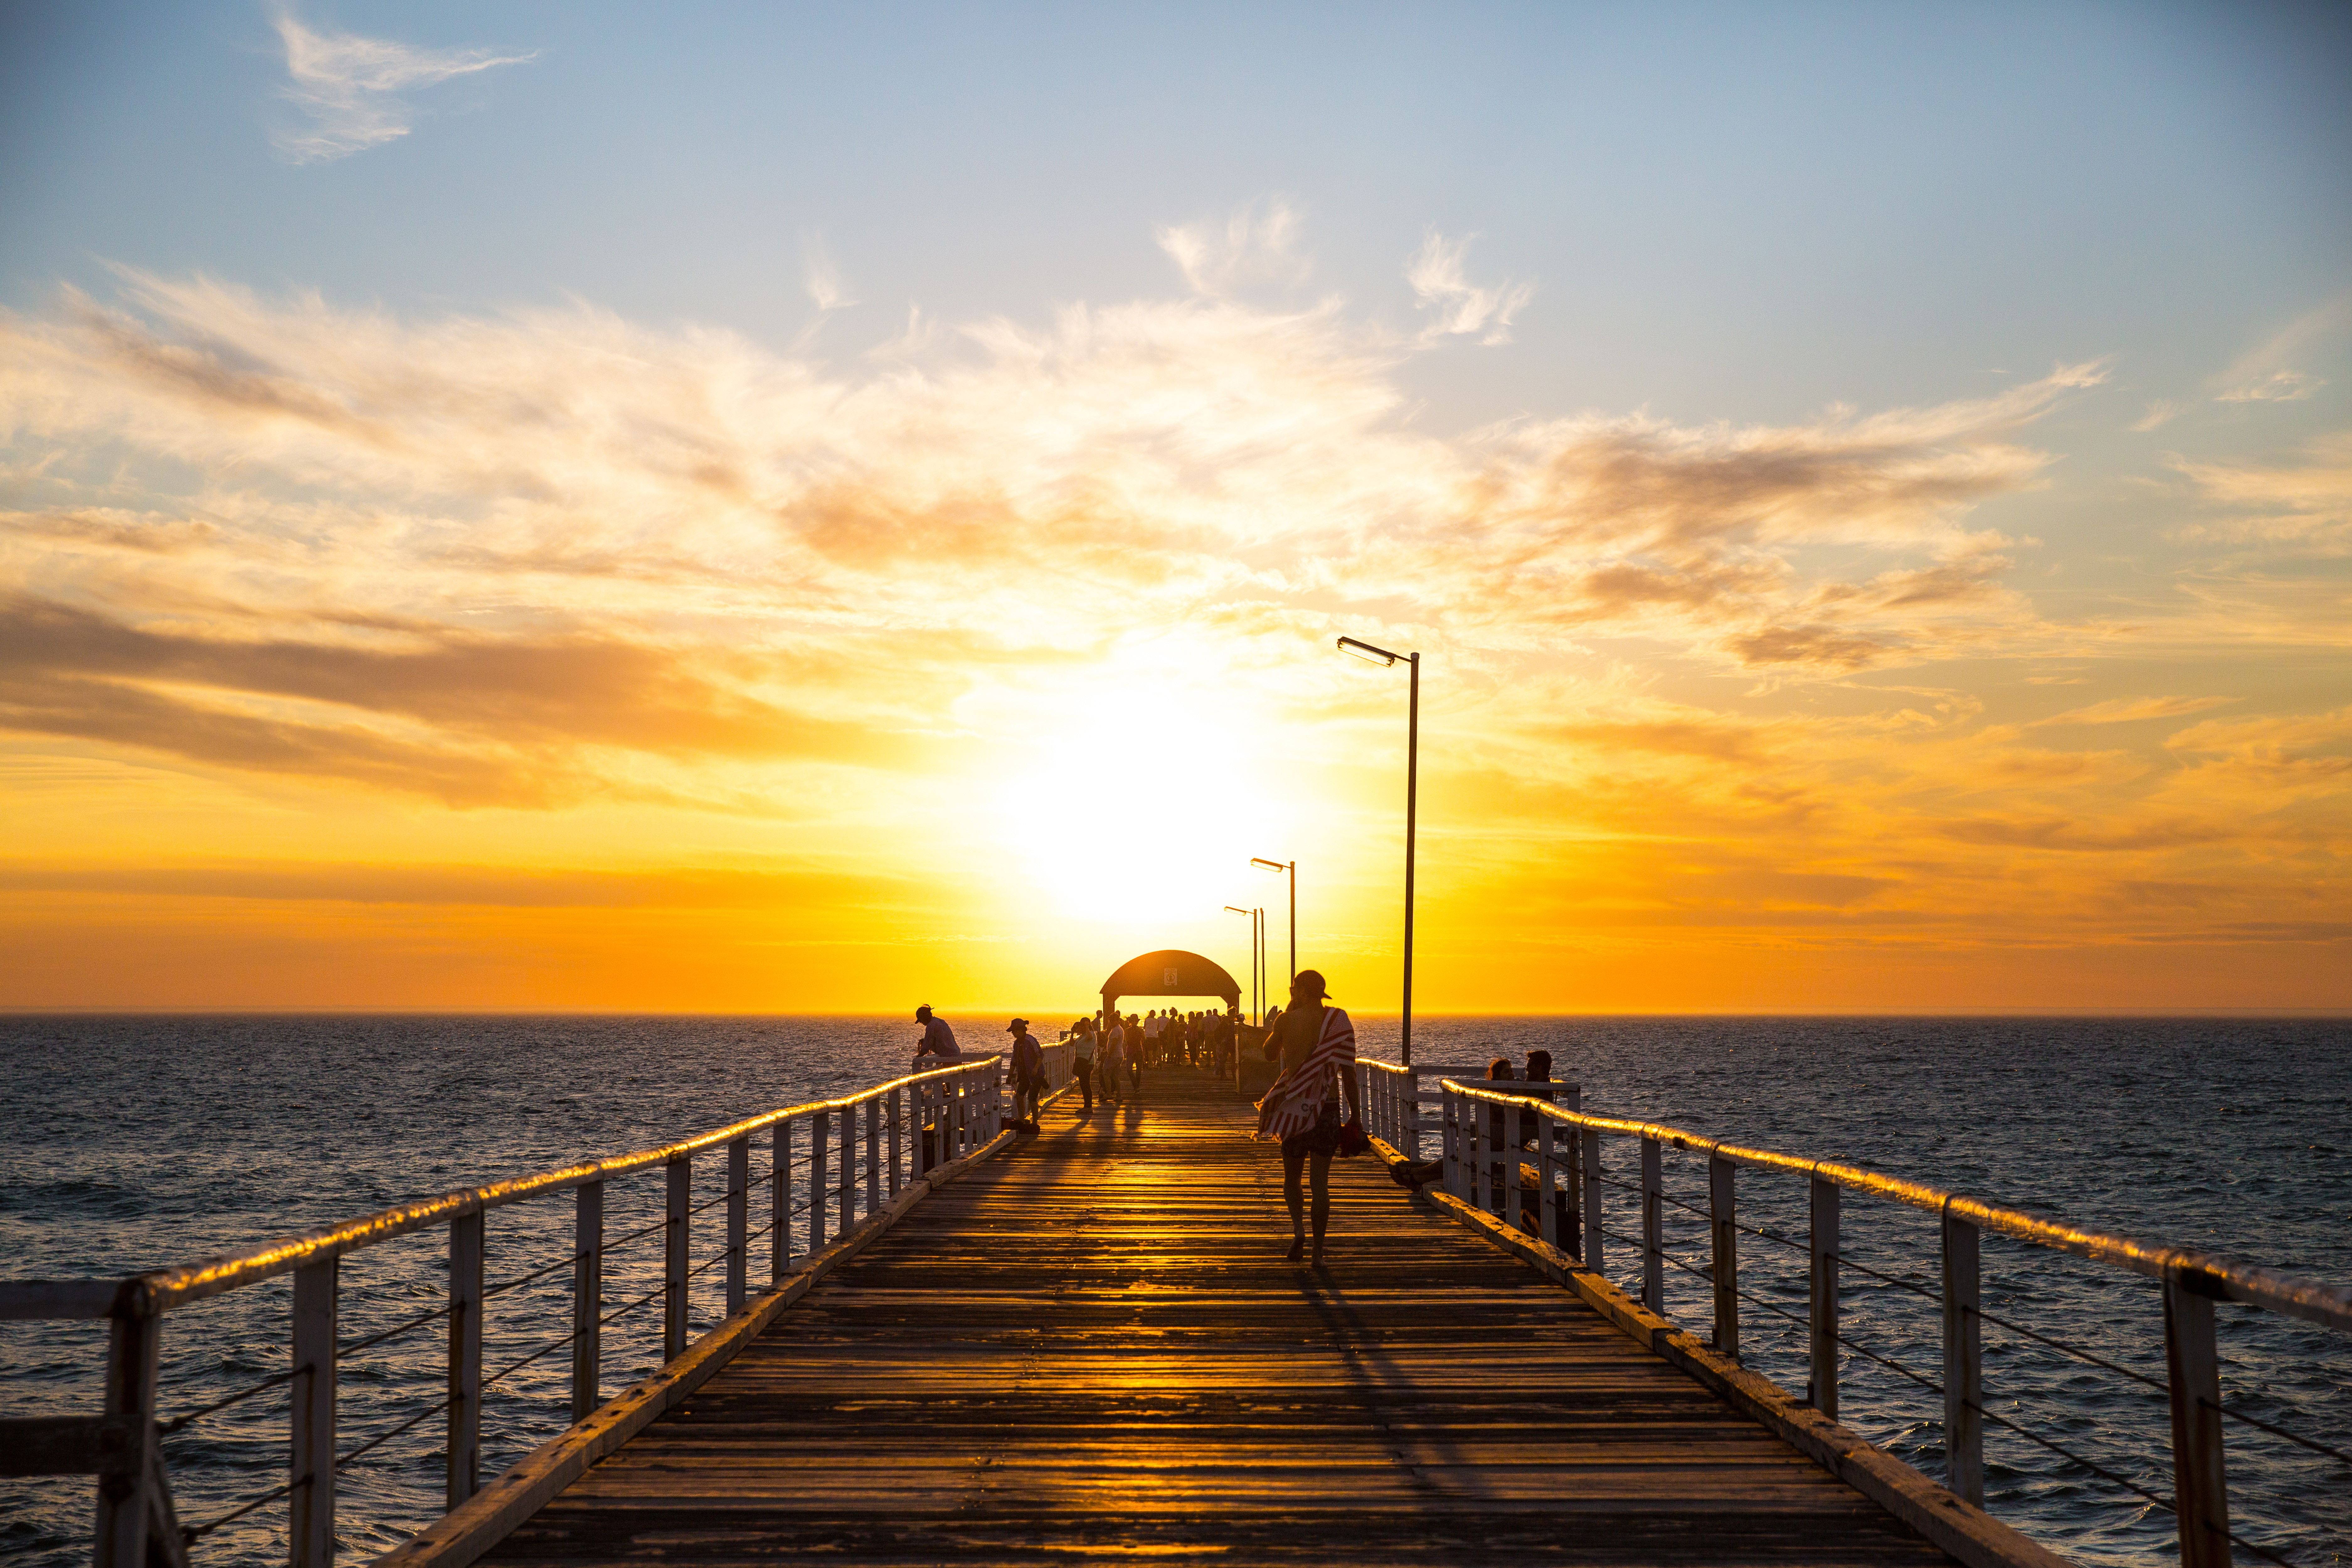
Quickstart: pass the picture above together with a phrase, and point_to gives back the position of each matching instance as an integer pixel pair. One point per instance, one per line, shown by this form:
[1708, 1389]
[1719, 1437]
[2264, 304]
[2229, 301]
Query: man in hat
[938, 1049]
[1028, 1072]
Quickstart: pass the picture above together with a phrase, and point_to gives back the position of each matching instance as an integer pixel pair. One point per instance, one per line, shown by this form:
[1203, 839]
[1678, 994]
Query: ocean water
[138, 1142]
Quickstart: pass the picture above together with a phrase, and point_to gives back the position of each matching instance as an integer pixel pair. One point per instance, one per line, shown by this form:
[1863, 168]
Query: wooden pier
[1091, 1345]
[954, 1342]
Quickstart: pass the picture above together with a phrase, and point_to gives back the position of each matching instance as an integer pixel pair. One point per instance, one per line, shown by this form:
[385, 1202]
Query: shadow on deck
[1092, 1346]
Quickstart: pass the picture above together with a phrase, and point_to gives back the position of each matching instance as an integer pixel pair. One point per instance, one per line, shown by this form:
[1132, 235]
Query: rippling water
[137, 1142]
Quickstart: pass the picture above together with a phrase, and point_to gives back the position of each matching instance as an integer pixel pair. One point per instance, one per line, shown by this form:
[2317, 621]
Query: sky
[798, 508]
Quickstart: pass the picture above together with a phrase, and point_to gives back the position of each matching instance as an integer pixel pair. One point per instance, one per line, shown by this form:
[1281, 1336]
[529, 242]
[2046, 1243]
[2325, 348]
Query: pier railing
[1539, 1168]
[828, 1171]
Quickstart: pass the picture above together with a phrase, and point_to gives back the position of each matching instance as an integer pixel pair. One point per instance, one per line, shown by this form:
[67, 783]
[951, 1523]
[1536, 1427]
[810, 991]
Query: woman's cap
[1015, 1027]
[1309, 981]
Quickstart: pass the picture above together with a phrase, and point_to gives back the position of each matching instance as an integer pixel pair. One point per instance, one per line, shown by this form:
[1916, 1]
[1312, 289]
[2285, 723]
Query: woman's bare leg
[1292, 1160]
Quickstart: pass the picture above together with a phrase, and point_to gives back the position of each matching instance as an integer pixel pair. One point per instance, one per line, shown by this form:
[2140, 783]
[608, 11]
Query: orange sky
[811, 511]
[549, 661]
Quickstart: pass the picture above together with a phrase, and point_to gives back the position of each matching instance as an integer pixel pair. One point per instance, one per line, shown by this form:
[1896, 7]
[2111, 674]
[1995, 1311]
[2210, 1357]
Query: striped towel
[1295, 1100]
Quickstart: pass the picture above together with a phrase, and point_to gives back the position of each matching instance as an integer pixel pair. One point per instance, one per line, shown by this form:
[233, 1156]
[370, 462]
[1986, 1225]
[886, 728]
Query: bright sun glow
[1137, 825]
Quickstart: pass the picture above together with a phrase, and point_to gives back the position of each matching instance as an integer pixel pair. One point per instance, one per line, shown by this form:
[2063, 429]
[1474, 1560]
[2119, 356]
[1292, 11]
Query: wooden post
[1592, 1252]
[1572, 1194]
[1508, 1147]
[465, 1448]
[128, 1510]
[1547, 1193]
[2200, 1488]
[310, 1530]
[898, 1118]
[1719, 1173]
[873, 1156]
[1653, 1237]
[820, 1130]
[1410, 1113]
[587, 1297]
[1963, 1363]
[848, 1170]
[674, 1250]
[779, 1202]
[1822, 1390]
[1450, 1146]
[738, 1221]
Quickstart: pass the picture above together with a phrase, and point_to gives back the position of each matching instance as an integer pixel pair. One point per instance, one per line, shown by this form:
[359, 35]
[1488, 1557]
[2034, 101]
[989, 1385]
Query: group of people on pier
[1314, 1043]
[1112, 1052]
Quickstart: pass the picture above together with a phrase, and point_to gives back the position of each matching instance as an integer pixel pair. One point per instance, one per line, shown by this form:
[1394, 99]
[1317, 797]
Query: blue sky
[1875, 483]
[1731, 212]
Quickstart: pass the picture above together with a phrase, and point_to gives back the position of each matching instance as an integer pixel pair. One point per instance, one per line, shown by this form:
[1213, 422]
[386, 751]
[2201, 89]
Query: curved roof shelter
[1172, 972]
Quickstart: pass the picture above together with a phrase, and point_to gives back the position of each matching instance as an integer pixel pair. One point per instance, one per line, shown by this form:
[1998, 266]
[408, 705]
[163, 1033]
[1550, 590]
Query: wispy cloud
[349, 88]
[825, 286]
[1258, 243]
[2301, 507]
[2267, 373]
[2133, 710]
[1461, 308]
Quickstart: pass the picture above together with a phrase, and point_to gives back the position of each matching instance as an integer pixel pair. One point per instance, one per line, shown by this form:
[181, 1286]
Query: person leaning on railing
[937, 1047]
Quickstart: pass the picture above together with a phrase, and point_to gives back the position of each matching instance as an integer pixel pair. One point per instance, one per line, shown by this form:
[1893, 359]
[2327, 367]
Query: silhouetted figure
[938, 1047]
[1028, 1074]
[1317, 1046]
[1082, 1062]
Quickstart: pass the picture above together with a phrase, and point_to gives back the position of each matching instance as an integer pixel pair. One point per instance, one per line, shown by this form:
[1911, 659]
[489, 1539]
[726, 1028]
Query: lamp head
[1235, 910]
[1269, 865]
[1367, 652]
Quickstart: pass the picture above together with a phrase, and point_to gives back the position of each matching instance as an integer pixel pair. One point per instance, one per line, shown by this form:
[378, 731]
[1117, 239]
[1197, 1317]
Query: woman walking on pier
[1301, 1108]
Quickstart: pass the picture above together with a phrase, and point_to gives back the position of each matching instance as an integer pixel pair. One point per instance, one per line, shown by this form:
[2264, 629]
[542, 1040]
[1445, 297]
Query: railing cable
[181, 1423]
[350, 1347]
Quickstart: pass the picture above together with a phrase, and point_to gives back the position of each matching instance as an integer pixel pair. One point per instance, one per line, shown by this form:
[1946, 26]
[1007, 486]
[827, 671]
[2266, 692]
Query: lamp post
[1292, 867]
[1386, 659]
[1235, 908]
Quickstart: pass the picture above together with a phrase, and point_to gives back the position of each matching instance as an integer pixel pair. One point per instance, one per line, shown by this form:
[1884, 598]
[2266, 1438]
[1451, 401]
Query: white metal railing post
[1547, 1193]
[1654, 1215]
[738, 1221]
[897, 1116]
[311, 1528]
[134, 1518]
[1822, 1392]
[1722, 1222]
[1963, 1362]
[779, 1201]
[872, 1155]
[587, 1295]
[820, 1132]
[1589, 1174]
[465, 1447]
[680, 1196]
[2200, 1488]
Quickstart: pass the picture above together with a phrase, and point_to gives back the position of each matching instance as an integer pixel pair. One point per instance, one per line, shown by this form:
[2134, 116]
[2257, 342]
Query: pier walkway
[1091, 1345]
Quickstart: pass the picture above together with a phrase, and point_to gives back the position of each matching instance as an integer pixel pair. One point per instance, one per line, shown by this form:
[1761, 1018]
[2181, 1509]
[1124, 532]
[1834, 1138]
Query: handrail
[860, 1151]
[2220, 1277]
[161, 1291]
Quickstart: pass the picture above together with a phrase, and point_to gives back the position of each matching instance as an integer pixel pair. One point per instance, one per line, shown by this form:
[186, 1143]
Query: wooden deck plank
[1093, 1347]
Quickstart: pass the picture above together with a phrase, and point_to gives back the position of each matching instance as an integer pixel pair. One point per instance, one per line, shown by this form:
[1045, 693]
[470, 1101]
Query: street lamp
[1291, 867]
[1254, 915]
[1386, 659]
